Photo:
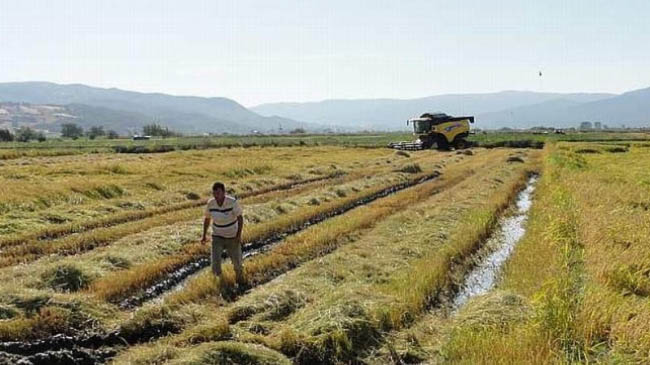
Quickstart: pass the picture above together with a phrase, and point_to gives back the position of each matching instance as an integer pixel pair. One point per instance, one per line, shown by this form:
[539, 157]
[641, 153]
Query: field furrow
[294, 251]
[76, 239]
[122, 255]
[351, 255]
[44, 199]
[32, 238]
[120, 284]
[366, 199]
[575, 289]
[303, 251]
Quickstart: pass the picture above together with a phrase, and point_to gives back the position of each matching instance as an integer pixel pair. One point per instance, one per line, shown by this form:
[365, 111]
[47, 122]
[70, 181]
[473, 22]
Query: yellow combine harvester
[440, 129]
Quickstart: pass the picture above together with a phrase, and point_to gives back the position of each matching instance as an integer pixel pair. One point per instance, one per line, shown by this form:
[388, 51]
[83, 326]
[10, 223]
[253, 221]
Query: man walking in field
[225, 214]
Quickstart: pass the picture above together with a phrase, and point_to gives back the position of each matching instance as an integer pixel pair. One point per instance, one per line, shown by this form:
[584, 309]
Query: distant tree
[71, 130]
[585, 125]
[151, 129]
[25, 134]
[112, 135]
[158, 131]
[95, 132]
[6, 135]
[298, 131]
[40, 136]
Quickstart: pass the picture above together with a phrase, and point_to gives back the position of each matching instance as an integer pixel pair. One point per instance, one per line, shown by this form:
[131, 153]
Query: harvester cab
[437, 128]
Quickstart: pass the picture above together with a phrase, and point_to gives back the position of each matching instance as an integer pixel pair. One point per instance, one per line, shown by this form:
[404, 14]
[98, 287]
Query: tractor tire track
[251, 248]
[93, 348]
[35, 248]
[98, 348]
[135, 216]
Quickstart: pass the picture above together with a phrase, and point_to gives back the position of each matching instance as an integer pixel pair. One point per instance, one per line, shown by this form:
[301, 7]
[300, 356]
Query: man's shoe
[243, 287]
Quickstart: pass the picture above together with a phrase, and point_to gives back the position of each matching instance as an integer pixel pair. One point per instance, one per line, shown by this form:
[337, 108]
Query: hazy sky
[281, 50]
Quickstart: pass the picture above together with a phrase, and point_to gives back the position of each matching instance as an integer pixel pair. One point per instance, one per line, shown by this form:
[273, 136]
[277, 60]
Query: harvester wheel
[442, 143]
[460, 143]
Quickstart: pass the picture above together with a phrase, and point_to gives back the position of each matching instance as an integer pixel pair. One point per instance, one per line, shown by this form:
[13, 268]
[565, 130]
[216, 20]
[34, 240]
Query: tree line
[22, 134]
[74, 131]
[71, 130]
[158, 130]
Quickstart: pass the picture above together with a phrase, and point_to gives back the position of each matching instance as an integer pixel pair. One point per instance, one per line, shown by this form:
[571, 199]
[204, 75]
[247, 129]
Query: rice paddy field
[84, 146]
[353, 255]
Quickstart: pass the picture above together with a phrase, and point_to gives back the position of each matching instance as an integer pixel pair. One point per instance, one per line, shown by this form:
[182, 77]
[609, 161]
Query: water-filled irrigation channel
[501, 244]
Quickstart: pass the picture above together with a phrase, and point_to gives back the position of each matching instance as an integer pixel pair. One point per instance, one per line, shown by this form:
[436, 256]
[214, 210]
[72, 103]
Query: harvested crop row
[29, 240]
[393, 301]
[472, 306]
[123, 217]
[15, 153]
[506, 320]
[380, 168]
[256, 196]
[275, 260]
[90, 239]
[38, 197]
[252, 248]
[123, 283]
[315, 241]
[52, 276]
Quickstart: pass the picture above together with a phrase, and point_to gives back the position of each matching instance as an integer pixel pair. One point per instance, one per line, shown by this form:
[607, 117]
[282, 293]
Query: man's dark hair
[218, 186]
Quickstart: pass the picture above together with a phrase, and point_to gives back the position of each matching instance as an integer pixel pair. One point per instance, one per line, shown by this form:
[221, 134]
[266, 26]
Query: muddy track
[79, 349]
[60, 349]
[83, 348]
[135, 216]
[98, 348]
[251, 248]
[77, 356]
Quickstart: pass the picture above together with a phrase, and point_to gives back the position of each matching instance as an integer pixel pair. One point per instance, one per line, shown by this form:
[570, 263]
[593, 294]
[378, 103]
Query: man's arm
[206, 225]
[240, 226]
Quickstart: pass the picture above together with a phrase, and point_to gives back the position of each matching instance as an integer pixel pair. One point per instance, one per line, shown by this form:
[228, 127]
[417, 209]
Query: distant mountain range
[45, 105]
[127, 111]
[514, 109]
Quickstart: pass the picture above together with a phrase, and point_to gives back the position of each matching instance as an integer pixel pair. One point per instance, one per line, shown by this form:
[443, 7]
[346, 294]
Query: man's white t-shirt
[224, 217]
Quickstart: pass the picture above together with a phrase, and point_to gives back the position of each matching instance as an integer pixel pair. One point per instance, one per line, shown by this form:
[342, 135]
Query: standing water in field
[511, 229]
